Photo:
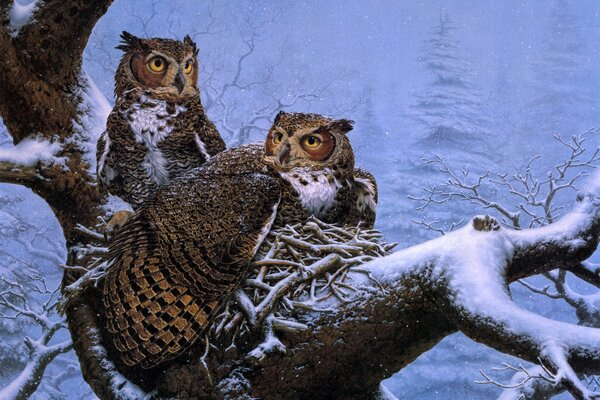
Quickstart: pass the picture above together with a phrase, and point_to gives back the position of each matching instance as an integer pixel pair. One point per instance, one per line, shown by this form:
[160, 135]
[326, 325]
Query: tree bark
[40, 75]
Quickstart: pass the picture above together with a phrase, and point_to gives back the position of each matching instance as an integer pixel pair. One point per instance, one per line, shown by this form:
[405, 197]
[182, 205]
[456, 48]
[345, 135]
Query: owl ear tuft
[129, 42]
[342, 125]
[188, 41]
[279, 115]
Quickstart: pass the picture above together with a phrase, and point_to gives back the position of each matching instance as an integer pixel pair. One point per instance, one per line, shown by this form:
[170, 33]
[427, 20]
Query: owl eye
[311, 141]
[157, 64]
[277, 137]
[189, 66]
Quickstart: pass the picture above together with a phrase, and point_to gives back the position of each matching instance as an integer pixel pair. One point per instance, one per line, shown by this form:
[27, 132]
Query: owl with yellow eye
[157, 129]
[311, 156]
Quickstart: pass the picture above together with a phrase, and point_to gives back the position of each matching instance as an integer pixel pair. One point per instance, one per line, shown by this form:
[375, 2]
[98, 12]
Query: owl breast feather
[316, 189]
[151, 123]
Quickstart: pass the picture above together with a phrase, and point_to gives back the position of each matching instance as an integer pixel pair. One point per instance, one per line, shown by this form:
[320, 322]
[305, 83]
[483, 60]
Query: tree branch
[15, 298]
[61, 27]
[21, 175]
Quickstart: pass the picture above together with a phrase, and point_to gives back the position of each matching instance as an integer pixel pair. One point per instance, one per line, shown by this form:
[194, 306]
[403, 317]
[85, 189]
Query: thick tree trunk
[40, 75]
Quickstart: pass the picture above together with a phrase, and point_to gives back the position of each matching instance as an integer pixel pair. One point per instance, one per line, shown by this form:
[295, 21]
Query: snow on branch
[18, 164]
[529, 201]
[16, 301]
[333, 280]
[20, 14]
[29, 152]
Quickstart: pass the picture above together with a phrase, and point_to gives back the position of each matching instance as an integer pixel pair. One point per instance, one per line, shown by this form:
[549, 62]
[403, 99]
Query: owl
[313, 159]
[157, 129]
[186, 249]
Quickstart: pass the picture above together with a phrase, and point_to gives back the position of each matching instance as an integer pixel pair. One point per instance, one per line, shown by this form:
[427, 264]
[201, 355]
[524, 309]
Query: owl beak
[179, 82]
[284, 154]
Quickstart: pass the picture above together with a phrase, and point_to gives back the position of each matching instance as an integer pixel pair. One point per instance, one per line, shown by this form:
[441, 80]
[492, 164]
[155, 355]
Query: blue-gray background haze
[483, 84]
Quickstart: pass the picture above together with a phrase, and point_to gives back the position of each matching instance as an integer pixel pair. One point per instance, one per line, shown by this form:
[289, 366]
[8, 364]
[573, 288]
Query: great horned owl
[184, 251]
[158, 128]
[312, 157]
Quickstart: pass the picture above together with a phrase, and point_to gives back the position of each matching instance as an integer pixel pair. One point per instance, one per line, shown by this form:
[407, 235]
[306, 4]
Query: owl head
[158, 65]
[310, 141]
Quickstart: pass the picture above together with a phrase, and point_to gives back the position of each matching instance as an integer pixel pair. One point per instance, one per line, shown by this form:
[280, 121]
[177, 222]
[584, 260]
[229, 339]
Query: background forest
[461, 108]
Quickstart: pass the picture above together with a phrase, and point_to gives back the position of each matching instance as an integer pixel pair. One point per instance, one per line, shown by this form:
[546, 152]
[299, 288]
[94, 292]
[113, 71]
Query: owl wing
[179, 257]
[120, 159]
[209, 135]
[365, 197]
[243, 159]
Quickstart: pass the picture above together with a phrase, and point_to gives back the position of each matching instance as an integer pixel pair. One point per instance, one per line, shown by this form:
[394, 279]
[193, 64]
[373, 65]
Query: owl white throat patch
[151, 123]
[315, 188]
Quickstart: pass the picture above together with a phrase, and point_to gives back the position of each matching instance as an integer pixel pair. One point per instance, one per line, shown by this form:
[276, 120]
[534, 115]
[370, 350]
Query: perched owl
[312, 157]
[158, 128]
[183, 252]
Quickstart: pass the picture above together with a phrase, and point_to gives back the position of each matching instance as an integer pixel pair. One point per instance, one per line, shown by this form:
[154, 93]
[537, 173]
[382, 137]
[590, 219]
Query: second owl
[158, 128]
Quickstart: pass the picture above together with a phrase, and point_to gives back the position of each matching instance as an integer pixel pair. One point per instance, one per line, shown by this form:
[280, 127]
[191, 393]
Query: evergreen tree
[450, 112]
[451, 121]
[368, 138]
[563, 87]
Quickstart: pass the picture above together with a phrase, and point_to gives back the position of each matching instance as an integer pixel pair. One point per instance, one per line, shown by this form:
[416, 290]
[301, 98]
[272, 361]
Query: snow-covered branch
[530, 201]
[533, 199]
[16, 301]
[535, 383]
[308, 299]
[14, 173]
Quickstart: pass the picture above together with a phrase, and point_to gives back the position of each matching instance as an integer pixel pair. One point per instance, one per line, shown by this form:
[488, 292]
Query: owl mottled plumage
[157, 129]
[179, 257]
[183, 252]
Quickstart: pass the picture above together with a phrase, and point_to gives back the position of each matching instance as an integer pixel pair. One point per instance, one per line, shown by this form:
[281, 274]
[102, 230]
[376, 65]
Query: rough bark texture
[39, 76]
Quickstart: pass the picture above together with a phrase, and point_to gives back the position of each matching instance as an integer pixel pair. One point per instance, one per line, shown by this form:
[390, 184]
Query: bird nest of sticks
[299, 268]
[302, 268]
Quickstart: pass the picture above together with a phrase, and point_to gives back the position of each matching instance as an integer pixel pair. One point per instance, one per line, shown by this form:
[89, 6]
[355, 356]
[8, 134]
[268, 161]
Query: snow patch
[120, 385]
[114, 204]
[30, 151]
[385, 394]
[9, 225]
[20, 14]
[93, 113]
